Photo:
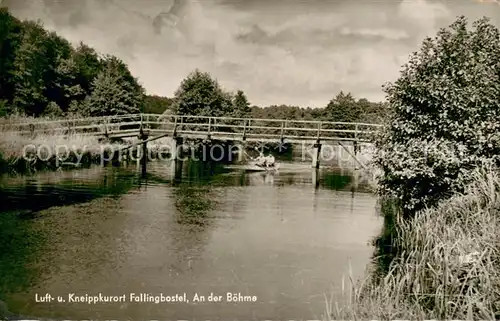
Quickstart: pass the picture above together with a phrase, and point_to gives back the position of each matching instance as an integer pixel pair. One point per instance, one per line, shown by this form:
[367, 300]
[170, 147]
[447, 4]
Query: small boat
[255, 167]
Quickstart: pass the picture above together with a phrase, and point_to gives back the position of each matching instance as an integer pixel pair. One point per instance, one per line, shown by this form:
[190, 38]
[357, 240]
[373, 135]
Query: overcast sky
[296, 52]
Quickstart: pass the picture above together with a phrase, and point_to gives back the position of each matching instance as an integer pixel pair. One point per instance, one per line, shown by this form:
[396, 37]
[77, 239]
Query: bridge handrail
[66, 120]
[316, 122]
[159, 116]
[113, 125]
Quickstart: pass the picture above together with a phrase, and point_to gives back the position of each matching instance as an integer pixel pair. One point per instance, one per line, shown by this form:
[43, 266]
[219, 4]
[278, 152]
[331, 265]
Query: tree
[444, 116]
[10, 39]
[41, 73]
[88, 66]
[114, 91]
[4, 110]
[30, 67]
[66, 84]
[241, 105]
[156, 104]
[60, 73]
[343, 108]
[200, 94]
[372, 112]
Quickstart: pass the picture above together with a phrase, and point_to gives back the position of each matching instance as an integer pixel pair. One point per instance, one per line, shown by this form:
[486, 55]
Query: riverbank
[21, 155]
[444, 265]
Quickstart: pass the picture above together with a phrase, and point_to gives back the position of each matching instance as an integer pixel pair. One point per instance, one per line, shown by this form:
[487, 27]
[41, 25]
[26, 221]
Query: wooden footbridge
[149, 127]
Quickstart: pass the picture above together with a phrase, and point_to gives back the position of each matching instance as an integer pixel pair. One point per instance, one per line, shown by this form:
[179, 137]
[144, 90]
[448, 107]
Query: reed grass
[74, 150]
[446, 264]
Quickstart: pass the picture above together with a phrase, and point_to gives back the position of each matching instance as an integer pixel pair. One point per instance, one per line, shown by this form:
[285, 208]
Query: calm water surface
[276, 237]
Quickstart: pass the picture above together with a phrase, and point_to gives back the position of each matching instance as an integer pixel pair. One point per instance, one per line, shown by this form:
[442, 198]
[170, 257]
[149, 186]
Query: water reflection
[47, 189]
[193, 204]
[284, 237]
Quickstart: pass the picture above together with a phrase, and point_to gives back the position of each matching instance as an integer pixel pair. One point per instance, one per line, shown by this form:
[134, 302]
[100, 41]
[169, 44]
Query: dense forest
[42, 74]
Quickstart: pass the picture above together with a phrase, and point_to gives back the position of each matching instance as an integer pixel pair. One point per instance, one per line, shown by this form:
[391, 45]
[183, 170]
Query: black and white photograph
[249, 160]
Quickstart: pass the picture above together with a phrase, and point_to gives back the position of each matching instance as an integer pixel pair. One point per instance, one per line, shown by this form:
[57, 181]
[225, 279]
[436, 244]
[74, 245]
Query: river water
[106, 230]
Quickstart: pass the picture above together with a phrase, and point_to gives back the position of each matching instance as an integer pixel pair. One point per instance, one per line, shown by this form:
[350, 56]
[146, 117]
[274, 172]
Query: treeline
[342, 108]
[42, 74]
[200, 94]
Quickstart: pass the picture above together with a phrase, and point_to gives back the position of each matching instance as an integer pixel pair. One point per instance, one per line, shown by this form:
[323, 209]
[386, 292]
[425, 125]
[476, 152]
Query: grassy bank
[21, 154]
[50, 151]
[446, 262]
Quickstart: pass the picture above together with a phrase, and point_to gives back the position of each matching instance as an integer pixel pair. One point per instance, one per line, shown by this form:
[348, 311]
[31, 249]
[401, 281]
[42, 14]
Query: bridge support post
[176, 160]
[315, 178]
[206, 150]
[173, 149]
[355, 151]
[144, 153]
[237, 152]
[316, 155]
[176, 171]
[356, 180]
[177, 148]
[117, 158]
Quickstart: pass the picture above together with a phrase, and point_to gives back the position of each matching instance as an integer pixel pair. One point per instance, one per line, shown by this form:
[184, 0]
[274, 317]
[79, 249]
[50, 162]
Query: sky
[294, 52]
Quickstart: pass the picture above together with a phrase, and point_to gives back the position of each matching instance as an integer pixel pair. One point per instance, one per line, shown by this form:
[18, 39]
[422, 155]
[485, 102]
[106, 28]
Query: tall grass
[446, 263]
[70, 148]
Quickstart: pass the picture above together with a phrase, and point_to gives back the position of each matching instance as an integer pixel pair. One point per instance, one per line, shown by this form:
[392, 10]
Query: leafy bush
[444, 115]
[53, 110]
[201, 95]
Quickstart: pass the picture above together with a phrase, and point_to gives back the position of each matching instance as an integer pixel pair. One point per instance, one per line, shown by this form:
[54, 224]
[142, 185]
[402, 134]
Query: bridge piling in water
[176, 159]
[176, 170]
[144, 155]
[316, 155]
[206, 149]
[237, 151]
[176, 148]
[315, 178]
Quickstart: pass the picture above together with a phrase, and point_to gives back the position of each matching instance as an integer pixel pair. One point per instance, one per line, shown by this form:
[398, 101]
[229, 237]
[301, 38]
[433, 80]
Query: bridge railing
[82, 126]
[253, 127]
[53, 127]
[202, 125]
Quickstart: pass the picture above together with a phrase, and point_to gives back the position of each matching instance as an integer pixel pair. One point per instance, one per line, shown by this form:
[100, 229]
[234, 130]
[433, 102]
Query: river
[273, 237]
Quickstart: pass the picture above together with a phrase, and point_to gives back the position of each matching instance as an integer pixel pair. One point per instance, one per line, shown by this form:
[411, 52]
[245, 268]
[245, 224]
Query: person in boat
[261, 159]
[270, 160]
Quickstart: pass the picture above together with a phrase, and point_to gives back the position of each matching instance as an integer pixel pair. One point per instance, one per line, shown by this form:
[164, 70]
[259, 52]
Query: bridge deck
[219, 128]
